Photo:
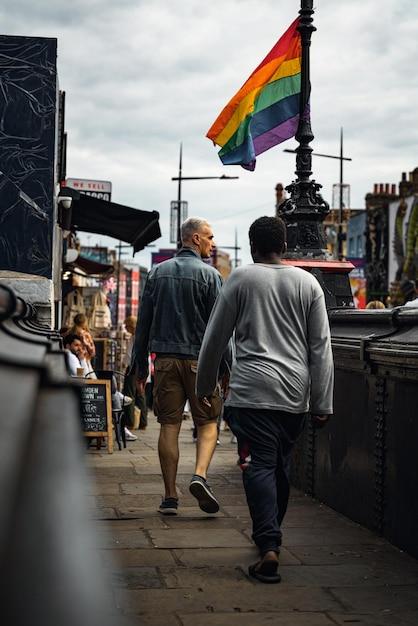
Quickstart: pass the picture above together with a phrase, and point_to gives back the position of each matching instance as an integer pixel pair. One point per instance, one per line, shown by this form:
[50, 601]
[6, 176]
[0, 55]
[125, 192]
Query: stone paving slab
[351, 575]
[121, 501]
[240, 511]
[382, 618]
[284, 618]
[114, 475]
[192, 513]
[103, 513]
[233, 557]
[378, 555]
[120, 558]
[107, 539]
[206, 523]
[231, 598]
[376, 599]
[142, 487]
[332, 536]
[204, 577]
[137, 578]
[104, 489]
[222, 538]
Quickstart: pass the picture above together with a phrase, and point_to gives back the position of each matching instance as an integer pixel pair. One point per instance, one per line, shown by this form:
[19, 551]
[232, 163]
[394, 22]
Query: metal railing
[48, 558]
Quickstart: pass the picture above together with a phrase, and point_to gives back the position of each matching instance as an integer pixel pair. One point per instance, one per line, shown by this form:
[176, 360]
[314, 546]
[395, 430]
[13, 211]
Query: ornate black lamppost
[341, 159]
[305, 209]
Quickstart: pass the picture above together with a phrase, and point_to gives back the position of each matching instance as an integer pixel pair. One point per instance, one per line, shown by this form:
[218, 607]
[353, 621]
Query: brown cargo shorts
[174, 383]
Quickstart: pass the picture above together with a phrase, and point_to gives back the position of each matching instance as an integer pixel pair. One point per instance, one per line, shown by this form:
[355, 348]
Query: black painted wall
[28, 104]
[364, 463]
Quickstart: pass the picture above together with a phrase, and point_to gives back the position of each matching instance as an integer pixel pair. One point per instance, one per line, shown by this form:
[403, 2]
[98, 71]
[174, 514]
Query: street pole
[117, 285]
[236, 247]
[340, 226]
[119, 248]
[179, 197]
[180, 179]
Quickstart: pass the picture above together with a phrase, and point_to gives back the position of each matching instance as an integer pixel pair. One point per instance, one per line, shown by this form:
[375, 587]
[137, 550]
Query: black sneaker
[200, 489]
[169, 506]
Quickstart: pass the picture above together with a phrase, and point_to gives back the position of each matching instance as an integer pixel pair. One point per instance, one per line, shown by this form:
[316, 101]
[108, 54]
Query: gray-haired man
[175, 308]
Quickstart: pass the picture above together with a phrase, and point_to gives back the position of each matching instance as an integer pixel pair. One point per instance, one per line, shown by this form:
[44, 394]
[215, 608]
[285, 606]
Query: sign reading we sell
[101, 189]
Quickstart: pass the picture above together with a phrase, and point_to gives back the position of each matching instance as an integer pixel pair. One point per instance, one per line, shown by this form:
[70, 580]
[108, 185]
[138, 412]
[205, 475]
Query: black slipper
[265, 572]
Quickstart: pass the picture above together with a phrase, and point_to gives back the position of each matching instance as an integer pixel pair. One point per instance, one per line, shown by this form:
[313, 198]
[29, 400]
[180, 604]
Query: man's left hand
[140, 385]
[319, 421]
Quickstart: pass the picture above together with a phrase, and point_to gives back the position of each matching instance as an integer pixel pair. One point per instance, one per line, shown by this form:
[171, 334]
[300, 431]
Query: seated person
[73, 347]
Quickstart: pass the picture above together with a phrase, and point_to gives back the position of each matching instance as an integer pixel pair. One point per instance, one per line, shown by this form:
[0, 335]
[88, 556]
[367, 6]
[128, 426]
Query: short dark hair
[68, 339]
[268, 234]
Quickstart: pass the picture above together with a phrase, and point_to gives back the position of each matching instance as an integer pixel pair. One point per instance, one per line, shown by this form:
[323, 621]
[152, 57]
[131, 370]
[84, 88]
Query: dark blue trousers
[265, 442]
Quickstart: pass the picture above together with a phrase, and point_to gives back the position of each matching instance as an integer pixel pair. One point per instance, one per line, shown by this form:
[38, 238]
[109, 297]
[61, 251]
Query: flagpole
[305, 209]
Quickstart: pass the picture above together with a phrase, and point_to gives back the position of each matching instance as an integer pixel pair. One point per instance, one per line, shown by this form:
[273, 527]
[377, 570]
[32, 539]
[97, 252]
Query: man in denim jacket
[176, 304]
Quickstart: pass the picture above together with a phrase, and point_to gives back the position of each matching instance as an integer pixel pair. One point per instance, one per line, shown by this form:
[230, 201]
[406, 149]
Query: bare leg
[207, 435]
[168, 450]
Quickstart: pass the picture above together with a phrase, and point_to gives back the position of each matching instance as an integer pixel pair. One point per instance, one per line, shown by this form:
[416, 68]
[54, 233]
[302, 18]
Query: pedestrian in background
[80, 327]
[410, 293]
[283, 368]
[178, 297]
[129, 383]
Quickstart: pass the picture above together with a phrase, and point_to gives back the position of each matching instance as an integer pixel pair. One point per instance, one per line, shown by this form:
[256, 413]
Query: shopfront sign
[101, 189]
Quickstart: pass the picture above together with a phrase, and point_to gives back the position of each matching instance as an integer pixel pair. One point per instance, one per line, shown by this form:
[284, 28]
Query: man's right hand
[205, 400]
[225, 385]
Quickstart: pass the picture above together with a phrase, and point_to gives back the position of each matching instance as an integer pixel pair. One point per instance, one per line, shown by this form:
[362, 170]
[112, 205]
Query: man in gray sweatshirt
[283, 370]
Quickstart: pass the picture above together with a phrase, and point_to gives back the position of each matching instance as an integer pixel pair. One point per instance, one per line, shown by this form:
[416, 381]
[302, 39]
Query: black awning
[93, 267]
[92, 215]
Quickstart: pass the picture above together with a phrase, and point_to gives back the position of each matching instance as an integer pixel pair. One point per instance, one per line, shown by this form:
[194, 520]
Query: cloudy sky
[142, 76]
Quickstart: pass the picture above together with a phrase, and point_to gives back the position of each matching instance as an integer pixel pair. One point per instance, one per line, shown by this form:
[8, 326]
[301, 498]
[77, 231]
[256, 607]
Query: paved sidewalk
[191, 570]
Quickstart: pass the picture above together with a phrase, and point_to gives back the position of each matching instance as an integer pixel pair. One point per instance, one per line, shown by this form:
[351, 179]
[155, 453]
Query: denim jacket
[175, 307]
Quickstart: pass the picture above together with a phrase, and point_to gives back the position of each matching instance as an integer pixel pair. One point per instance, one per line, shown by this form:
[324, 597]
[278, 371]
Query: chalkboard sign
[96, 410]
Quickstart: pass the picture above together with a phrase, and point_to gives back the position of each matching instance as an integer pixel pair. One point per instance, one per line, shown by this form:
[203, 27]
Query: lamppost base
[333, 278]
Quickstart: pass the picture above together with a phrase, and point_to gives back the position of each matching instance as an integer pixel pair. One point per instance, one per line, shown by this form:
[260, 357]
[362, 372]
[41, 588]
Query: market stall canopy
[92, 215]
[93, 267]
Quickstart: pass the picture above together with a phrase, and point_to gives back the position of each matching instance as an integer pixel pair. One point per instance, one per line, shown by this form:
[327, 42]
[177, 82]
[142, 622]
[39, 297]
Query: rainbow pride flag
[265, 111]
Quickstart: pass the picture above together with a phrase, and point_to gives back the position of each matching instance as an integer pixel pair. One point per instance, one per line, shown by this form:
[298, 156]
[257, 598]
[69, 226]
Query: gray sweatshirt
[282, 341]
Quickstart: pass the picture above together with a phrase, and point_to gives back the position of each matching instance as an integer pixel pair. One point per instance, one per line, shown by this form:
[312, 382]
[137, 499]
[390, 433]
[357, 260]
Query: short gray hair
[192, 225]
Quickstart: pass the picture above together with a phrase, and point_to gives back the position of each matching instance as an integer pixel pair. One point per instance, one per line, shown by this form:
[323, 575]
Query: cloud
[141, 76]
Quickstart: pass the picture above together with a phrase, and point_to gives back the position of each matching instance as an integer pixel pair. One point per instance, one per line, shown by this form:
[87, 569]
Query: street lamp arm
[203, 177]
[328, 156]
